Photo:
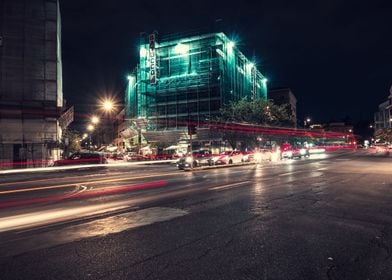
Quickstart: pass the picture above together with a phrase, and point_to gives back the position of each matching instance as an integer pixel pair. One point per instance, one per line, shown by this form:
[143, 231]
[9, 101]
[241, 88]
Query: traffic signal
[191, 129]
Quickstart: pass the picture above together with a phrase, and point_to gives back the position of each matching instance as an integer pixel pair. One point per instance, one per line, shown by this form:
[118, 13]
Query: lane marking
[229, 185]
[104, 181]
[289, 173]
[85, 183]
[323, 168]
[58, 178]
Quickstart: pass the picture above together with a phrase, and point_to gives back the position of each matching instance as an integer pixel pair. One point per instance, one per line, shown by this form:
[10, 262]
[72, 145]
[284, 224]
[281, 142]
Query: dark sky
[335, 55]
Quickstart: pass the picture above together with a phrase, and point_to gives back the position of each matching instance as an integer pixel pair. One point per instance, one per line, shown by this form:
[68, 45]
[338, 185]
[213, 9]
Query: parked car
[116, 156]
[228, 157]
[129, 156]
[82, 158]
[195, 159]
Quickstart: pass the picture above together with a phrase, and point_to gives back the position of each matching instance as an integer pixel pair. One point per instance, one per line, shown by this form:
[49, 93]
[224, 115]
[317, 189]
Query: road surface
[325, 218]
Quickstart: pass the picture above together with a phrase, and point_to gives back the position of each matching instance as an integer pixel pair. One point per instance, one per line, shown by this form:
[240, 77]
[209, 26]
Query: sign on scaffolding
[152, 59]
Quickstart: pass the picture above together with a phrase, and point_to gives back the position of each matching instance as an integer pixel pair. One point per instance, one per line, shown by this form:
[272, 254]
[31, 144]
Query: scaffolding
[189, 79]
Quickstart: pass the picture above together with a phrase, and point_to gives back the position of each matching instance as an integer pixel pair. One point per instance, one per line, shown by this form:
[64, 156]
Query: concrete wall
[30, 79]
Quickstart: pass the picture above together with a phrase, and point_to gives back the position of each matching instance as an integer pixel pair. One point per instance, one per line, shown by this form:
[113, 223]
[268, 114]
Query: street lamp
[90, 128]
[307, 121]
[107, 105]
[94, 119]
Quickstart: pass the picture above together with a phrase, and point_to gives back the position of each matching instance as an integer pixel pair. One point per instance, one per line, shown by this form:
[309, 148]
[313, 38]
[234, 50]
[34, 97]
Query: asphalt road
[326, 218]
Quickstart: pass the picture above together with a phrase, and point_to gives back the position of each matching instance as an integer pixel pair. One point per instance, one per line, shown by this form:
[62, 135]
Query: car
[228, 157]
[129, 156]
[195, 159]
[82, 158]
[381, 148]
[291, 152]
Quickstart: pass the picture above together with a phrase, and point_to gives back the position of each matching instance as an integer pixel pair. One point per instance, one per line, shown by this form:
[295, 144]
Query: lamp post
[307, 121]
[90, 128]
[95, 121]
[108, 106]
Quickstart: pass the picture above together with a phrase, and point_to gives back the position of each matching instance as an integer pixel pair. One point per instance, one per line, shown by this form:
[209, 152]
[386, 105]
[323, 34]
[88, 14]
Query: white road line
[321, 169]
[289, 173]
[228, 185]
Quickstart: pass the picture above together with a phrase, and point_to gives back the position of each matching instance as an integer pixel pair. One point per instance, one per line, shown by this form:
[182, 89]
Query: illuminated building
[181, 80]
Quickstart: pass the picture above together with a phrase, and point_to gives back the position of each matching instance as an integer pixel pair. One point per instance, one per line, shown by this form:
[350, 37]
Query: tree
[253, 112]
[258, 112]
[71, 140]
[385, 135]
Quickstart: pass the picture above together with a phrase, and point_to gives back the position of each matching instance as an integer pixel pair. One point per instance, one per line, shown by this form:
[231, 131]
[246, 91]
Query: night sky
[335, 55]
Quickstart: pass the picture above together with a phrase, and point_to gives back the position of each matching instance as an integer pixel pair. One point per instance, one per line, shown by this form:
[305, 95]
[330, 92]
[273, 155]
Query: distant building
[339, 127]
[31, 94]
[188, 79]
[283, 96]
[383, 120]
[383, 117]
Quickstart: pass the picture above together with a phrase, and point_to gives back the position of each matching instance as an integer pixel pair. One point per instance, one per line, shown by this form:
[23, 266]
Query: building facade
[31, 95]
[284, 96]
[383, 117]
[182, 80]
[383, 120]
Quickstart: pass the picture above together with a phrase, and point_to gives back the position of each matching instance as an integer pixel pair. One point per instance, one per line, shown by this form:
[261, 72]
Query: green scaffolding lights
[131, 98]
[181, 48]
[143, 52]
[195, 77]
[249, 66]
[230, 47]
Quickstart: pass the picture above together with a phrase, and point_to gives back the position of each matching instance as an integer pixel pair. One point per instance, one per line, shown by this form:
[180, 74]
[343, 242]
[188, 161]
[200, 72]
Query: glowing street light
[307, 121]
[90, 127]
[94, 119]
[85, 135]
[107, 105]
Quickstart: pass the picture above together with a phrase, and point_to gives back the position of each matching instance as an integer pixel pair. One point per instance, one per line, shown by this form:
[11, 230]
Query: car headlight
[302, 151]
[189, 159]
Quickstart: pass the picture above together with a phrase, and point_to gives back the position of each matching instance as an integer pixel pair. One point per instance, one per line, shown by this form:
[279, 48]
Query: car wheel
[195, 164]
[231, 161]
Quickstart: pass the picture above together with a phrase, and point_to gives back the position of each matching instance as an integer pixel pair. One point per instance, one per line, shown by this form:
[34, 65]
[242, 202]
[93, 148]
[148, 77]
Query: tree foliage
[254, 112]
[258, 112]
[385, 135]
[71, 140]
